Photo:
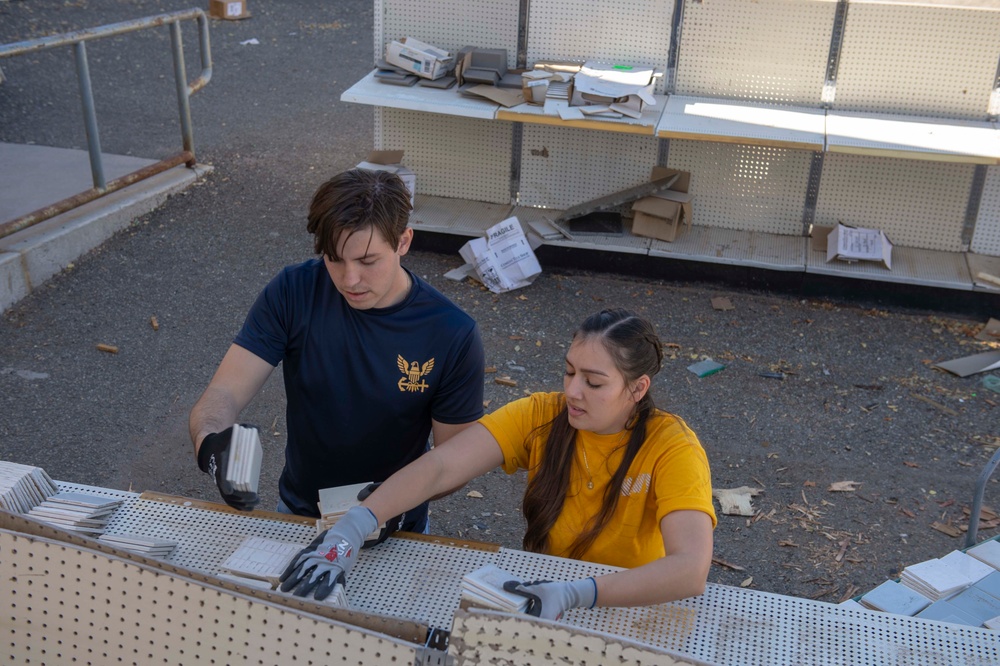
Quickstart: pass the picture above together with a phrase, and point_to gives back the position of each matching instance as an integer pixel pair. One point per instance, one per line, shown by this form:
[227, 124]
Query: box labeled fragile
[228, 10]
[422, 59]
[852, 244]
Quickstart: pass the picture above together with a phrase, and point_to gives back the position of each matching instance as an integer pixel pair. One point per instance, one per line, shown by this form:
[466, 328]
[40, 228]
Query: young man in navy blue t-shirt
[374, 359]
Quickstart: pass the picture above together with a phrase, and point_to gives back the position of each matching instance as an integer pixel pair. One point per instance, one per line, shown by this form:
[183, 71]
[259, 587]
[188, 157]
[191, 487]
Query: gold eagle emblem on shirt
[413, 373]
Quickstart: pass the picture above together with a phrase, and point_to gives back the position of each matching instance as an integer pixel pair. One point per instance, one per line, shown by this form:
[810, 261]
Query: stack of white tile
[259, 562]
[987, 552]
[245, 455]
[483, 588]
[335, 502]
[79, 512]
[142, 545]
[940, 578]
[23, 487]
[891, 597]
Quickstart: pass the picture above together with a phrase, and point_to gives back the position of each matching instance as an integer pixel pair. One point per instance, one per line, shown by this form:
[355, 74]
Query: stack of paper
[987, 552]
[484, 588]
[23, 487]
[245, 455]
[140, 544]
[259, 562]
[335, 502]
[940, 578]
[80, 512]
[891, 597]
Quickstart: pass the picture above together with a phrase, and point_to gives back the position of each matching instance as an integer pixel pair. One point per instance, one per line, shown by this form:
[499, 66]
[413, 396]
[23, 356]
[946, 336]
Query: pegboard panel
[767, 50]
[413, 580]
[738, 186]
[562, 167]
[920, 60]
[465, 158]
[68, 605]
[490, 637]
[619, 31]
[450, 24]
[917, 204]
[986, 238]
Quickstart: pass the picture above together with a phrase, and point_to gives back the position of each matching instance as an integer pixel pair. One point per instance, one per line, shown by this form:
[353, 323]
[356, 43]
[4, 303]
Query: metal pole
[180, 76]
[89, 115]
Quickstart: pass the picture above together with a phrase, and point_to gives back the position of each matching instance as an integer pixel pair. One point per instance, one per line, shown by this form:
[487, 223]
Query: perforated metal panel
[767, 50]
[450, 24]
[986, 238]
[752, 188]
[917, 204]
[909, 266]
[914, 59]
[620, 31]
[68, 605]
[465, 158]
[564, 167]
[735, 247]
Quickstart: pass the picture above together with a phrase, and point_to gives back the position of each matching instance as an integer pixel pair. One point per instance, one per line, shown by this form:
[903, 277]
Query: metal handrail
[78, 40]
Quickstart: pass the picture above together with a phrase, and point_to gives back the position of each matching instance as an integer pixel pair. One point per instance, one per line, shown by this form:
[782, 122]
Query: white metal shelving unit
[877, 113]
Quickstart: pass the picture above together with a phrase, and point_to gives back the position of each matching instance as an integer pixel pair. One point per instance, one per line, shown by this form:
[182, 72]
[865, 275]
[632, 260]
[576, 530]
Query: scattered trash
[990, 332]
[992, 382]
[154, 323]
[111, 349]
[736, 501]
[772, 375]
[250, 42]
[505, 381]
[460, 273]
[843, 486]
[474, 493]
[747, 583]
[706, 367]
[515, 367]
[971, 365]
[722, 303]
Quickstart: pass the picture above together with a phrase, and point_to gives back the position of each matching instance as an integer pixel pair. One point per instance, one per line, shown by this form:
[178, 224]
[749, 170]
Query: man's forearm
[215, 411]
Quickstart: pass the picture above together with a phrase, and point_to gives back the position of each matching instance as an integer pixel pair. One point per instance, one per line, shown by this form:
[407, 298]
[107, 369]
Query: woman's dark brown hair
[357, 200]
[633, 345]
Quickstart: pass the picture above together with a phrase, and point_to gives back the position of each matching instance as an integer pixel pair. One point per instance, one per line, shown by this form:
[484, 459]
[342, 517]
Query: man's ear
[640, 387]
[404, 241]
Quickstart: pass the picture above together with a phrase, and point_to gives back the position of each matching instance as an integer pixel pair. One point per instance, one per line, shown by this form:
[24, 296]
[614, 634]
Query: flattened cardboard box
[662, 215]
[852, 244]
[228, 10]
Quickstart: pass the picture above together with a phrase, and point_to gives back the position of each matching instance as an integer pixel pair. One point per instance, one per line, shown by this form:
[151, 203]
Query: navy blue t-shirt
[362, 385]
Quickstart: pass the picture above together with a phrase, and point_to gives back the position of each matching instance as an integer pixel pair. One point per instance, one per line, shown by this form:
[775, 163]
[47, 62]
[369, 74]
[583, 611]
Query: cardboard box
[624, 89]
[391, 161]
[228, 10]
[422, 59]
[852, 244]
[662, 215]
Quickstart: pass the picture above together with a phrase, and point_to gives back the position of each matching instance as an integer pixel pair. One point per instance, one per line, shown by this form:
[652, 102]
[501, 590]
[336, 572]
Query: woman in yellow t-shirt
[611, 479]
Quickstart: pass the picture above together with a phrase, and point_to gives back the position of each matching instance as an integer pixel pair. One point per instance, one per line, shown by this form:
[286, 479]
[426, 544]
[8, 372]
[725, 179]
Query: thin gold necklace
[590, 483]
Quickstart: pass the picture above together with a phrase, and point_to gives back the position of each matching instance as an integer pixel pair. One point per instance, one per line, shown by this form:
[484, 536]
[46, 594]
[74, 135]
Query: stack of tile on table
[23, 487]
[961, 588]
[78, 512]
[483, 588]
[259, 562]
[335, 502]
[142, 545]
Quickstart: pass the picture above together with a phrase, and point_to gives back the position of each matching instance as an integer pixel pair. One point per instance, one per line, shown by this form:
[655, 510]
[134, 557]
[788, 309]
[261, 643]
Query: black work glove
[390, 526]
[213, 458]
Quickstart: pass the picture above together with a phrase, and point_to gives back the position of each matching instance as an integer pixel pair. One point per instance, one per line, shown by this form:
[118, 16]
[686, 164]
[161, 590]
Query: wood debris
[728, 565]
[946, 528]
[154, 323]
[843, 486]
[474, 493]
[736, 501]
[505, 381]
[936, 405]
[111, 349]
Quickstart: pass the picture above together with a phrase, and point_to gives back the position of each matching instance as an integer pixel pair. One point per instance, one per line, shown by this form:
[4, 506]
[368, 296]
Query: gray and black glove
[390, 527]
[213, 458]
[549, 600]
[329, 558]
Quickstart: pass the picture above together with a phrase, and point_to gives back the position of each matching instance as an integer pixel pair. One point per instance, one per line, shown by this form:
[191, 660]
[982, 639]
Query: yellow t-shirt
[669, 473]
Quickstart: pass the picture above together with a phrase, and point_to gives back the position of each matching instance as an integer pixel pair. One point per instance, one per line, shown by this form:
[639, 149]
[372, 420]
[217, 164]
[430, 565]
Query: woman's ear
[640, 387]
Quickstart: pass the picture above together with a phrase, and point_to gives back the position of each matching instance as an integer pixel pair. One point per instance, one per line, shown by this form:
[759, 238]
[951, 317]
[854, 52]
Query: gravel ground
[859, 400]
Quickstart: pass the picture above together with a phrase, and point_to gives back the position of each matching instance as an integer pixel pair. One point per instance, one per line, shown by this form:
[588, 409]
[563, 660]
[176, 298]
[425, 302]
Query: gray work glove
[549, 600]
[329, 558]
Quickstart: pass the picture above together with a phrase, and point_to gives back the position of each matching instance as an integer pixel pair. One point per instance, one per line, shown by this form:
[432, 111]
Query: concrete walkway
[32, 177]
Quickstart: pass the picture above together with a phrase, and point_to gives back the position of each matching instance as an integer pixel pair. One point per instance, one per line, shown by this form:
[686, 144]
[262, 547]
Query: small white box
[422, 59]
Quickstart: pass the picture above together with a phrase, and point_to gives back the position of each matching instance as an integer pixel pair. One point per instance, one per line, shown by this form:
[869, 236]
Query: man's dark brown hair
[356, 200]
